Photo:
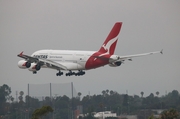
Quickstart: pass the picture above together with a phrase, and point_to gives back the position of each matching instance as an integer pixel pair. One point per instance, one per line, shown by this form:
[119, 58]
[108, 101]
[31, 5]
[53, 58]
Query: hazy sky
[83, 25]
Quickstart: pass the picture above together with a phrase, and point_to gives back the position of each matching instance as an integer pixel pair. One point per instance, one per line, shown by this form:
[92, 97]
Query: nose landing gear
[34, 72]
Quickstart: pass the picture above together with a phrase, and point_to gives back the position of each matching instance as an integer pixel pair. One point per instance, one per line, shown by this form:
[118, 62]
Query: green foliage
[169, 114]
[108, 100]
[41, 112]
[142, 93]
[5, 92]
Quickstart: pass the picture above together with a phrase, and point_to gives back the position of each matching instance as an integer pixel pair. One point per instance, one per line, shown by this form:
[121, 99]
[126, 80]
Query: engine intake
[34, 67]
[115, 64]
[24, 64]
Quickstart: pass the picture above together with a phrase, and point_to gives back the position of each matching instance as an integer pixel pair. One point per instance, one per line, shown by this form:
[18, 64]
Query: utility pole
[72, 101]
[28, 102]
[127, 102]
[50, 92]
[54, 102]
[16, 96]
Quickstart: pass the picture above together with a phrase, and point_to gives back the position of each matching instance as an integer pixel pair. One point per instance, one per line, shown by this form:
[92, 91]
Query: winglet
[21, 54]
[161, 51]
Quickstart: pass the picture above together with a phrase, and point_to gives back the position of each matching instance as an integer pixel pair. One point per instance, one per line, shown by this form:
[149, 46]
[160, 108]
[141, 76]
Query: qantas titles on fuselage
[41, 56]
[70, 60]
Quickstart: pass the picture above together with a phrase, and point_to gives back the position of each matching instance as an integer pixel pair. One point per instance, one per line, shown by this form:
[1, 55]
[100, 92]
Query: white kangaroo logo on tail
[107, 46]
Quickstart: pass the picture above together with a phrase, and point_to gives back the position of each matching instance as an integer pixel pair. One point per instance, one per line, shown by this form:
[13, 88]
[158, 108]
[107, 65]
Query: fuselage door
[81, 60]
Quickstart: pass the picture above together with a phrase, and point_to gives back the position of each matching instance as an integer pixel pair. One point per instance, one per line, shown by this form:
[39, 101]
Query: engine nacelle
[24, 64]
[114, 58]
[115, 64]
[34, 67]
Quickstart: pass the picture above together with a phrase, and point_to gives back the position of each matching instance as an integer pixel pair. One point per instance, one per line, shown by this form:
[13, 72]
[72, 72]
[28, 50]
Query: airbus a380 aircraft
[71, 60]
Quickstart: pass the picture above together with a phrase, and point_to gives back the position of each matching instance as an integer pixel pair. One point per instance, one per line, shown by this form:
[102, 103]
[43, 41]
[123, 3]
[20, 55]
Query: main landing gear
[70, 73]
[59, 73]
[80, 73]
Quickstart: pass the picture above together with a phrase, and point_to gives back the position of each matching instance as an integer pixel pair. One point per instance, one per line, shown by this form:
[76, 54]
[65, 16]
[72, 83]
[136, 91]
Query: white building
[103, 115]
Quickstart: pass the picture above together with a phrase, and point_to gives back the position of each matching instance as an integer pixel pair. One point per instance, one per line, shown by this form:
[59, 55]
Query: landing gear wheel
[80, 73]
[34, 72]
[70, 73]
[59, 73]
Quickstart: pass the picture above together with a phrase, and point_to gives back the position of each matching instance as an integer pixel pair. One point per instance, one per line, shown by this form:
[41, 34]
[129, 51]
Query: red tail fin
[109, 44]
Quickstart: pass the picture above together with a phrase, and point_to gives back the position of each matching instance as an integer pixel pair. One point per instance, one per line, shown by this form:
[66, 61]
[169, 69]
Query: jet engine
[115, 64]
[24, 64]
[34, 67]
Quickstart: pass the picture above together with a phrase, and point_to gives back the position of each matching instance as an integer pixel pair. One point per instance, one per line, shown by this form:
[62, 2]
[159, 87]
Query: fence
[41, 91]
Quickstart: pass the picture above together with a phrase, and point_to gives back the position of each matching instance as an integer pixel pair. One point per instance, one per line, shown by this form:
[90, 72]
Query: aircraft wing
[129, 57]
[28, 58]
[46, 62]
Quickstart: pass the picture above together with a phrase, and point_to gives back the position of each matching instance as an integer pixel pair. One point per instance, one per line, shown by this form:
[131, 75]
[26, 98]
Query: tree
[107, 91]
[21, 93]
[41, 112]
[169, 114]
[104, 92]
[48, 101]
[142, 93]
[125, 100]
[79, 95]
[175, 93]
[172, 100]
[111, 92]
[5, 92]
[157, 93]
[11, 98]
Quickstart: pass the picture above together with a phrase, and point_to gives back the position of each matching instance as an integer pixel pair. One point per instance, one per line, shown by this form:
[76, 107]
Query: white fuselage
[73, 60]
